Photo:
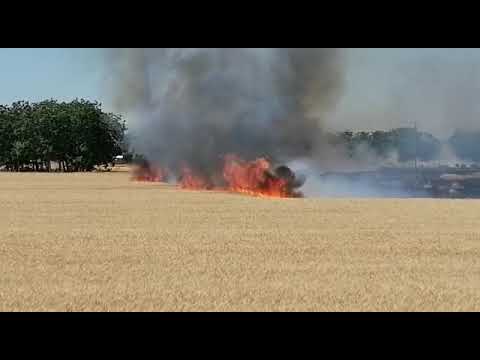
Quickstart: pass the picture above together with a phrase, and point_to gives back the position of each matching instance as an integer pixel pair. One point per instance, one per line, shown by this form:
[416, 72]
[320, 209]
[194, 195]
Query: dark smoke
[194, 105]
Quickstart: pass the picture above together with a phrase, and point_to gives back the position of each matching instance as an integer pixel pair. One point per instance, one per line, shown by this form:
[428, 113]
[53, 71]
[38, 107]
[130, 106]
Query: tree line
[78, 136]
[405, 143]
[65, 136]
[408, 143]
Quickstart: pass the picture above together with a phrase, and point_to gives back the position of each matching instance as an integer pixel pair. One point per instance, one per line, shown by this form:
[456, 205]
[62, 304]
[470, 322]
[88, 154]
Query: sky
[39, 74]
[383, 88]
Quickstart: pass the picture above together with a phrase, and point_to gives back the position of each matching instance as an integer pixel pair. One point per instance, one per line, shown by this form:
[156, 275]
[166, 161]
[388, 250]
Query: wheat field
[98, 242]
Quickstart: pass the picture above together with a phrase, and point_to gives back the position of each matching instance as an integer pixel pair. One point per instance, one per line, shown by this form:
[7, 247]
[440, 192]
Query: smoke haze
[194, 105]
[389, 88]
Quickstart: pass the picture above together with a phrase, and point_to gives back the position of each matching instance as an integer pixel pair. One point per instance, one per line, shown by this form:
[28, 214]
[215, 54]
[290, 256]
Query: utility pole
[417, 179]
[416, 147]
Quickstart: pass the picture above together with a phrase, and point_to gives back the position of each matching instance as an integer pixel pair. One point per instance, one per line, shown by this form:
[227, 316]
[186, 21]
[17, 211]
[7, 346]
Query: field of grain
[100, 242]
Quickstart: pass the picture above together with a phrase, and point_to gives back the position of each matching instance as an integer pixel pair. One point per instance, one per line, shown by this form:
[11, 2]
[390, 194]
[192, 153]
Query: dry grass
[100, 242]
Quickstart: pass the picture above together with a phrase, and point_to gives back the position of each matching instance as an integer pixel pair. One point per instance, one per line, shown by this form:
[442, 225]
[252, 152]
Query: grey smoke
[318, 184]
[388, 88]
[195, 105]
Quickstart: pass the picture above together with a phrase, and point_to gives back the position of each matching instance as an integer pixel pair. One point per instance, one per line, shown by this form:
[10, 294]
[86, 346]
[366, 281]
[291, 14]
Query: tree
[77, 135]
[383, 143]
[466, 144]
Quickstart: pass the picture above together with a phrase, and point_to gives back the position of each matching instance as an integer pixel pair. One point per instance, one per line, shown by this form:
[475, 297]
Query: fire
[190, 180]
[146, 172]
[254, 178]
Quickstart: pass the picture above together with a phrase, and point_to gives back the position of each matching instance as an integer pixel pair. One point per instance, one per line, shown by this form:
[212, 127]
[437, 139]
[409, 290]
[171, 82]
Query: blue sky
[38, 74]
[431, 86]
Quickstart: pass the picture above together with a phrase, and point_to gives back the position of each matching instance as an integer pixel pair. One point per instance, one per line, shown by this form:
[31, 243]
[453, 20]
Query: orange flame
[253, 178]
[189, 180]
[149, 173]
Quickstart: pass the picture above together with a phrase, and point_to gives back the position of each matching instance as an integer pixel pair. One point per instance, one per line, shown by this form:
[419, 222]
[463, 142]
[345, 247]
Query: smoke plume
[194, 105]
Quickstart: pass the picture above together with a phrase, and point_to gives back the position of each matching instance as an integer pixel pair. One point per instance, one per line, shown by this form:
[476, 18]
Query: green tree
[466, 144]
[77, 135]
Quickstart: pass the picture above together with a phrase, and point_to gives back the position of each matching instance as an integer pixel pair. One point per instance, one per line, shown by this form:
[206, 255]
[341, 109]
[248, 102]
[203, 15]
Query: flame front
[146, 172]
[254, 178]
[191, 181]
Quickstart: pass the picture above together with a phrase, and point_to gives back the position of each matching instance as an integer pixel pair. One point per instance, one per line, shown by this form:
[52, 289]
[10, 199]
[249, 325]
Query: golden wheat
[99, 242]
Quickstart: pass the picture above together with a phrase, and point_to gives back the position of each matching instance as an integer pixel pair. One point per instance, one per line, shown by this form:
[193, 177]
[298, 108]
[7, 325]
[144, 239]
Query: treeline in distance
[65, 136]
[408, 144]
[78, 136]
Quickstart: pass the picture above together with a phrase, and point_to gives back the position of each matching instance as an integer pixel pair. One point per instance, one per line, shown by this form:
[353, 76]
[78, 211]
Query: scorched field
[99, 242]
